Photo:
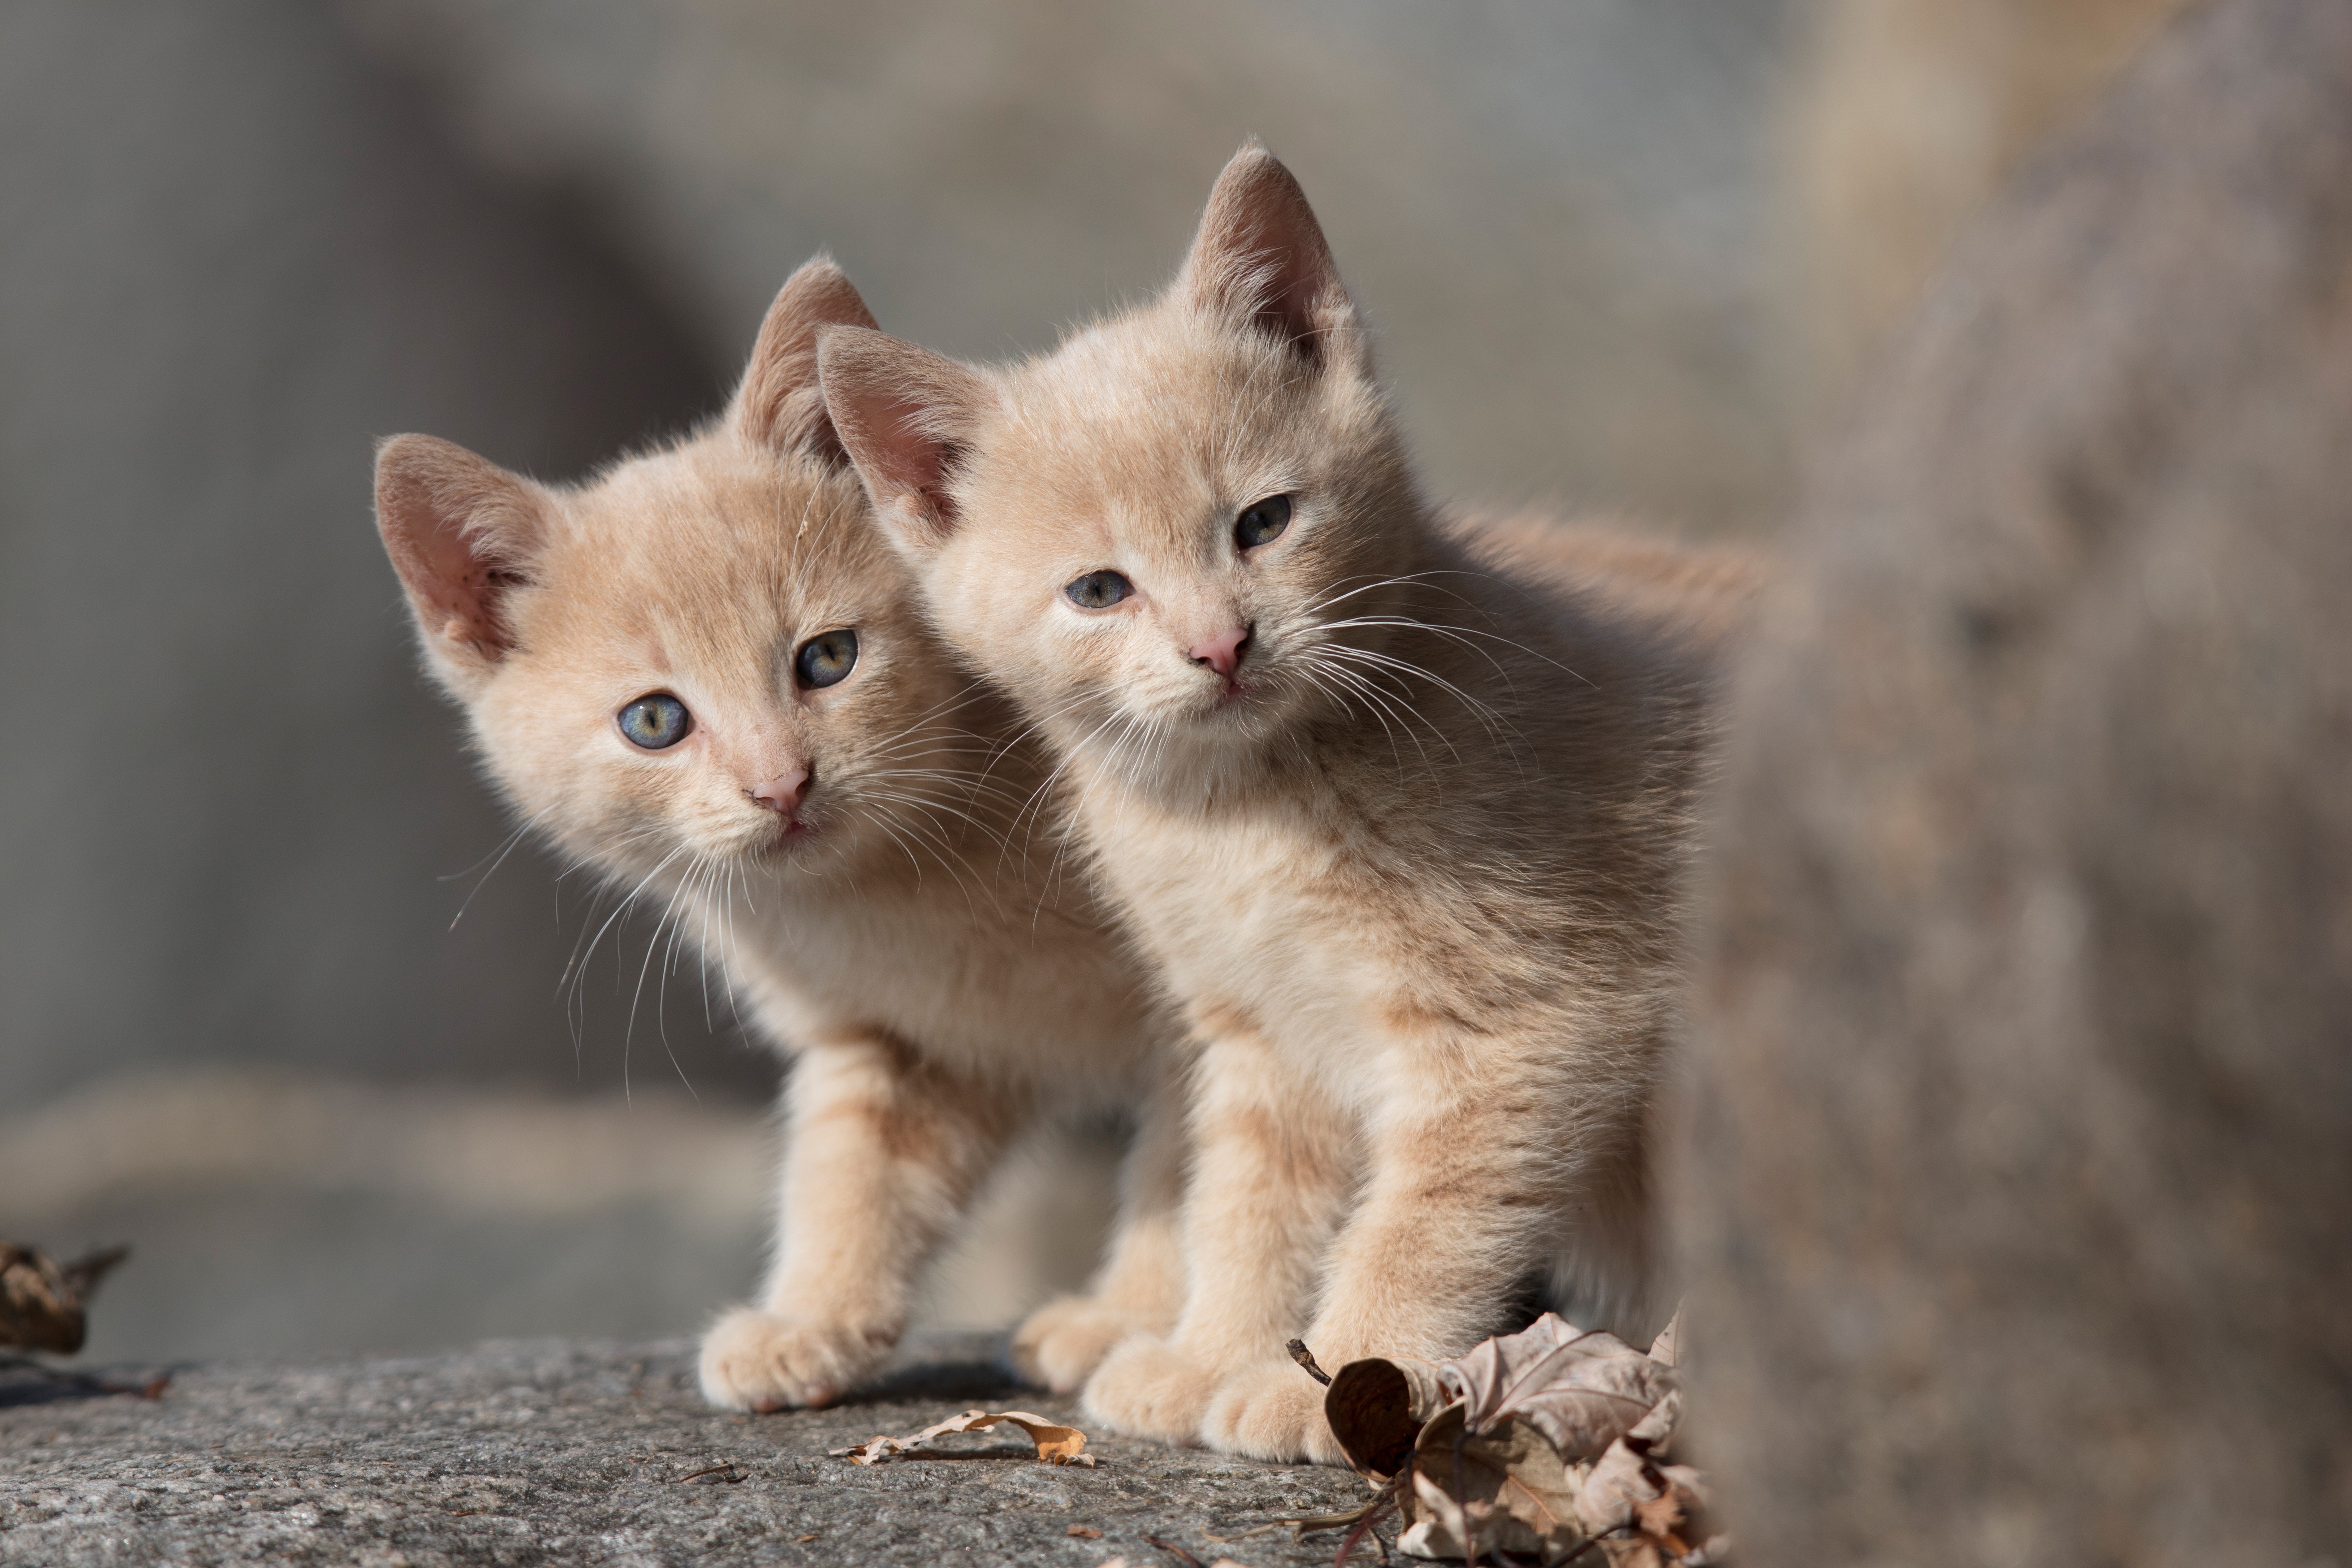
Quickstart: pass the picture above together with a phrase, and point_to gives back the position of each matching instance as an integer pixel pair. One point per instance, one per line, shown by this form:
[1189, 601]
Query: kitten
[1403, 836]
[703, 673]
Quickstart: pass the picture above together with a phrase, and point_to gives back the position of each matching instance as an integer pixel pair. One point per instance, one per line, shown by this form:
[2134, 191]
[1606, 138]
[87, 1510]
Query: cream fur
[935, 982]
[1414, 886]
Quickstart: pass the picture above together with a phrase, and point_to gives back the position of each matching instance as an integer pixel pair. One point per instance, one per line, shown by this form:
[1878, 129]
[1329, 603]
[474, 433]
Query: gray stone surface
[550, 1451]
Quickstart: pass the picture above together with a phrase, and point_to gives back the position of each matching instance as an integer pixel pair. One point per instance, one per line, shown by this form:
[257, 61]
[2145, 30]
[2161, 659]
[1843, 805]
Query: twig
[725, 1470]
[1298, 1526]
[1373, 1512]
[1173, 1550]
[1306, 1358]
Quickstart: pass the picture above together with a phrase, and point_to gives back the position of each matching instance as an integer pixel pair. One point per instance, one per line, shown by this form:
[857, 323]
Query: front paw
[1271, 1410]
[1061, 1344]
[756, 1361]
[1146, 1387]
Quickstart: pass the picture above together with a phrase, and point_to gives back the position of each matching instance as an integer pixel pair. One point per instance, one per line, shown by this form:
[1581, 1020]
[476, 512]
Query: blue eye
[656, 720]
[1261, 522]
[1098, 590]
[826, 658]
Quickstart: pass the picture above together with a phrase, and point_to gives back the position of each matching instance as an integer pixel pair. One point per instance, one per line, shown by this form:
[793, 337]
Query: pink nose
[1222, 652]
[783, 793]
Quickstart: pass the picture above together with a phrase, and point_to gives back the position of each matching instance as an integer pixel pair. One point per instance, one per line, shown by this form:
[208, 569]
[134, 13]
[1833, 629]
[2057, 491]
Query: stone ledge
[550, 1451]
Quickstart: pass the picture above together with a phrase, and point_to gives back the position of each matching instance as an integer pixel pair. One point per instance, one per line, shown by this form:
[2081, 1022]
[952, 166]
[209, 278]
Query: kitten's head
[704, 656]
[1156, 529]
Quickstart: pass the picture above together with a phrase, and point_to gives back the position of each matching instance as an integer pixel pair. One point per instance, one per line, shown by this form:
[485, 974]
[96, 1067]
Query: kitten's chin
[1247, 712]
[779, 845]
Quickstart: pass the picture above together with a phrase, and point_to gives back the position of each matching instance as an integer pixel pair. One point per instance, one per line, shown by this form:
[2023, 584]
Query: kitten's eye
[1098, 590]
[1262, 521]
[826, 658]
[656, 720]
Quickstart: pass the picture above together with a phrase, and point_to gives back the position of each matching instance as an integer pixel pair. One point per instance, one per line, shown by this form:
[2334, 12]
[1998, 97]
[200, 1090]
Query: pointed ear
[462, 533]
[904, 414]
[1260, 256]
[779, 404]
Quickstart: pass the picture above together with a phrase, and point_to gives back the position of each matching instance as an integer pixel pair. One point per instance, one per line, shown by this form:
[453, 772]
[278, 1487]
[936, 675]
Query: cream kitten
[703, 673]
[1403, 836]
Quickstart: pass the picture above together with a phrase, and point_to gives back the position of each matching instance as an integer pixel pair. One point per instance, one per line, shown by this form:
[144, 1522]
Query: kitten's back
[1698, 598]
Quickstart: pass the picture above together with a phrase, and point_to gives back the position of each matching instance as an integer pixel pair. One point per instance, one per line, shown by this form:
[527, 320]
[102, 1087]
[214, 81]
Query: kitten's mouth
[790, 835]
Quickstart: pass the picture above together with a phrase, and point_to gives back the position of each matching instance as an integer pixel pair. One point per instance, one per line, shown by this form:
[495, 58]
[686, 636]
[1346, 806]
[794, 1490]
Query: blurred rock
[2019, 1175]
[1899, 119]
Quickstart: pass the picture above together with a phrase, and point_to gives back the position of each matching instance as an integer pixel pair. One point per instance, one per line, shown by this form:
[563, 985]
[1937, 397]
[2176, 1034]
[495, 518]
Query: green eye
[1098, 590]
[656, 720]
[826, 658]
[1262, 521]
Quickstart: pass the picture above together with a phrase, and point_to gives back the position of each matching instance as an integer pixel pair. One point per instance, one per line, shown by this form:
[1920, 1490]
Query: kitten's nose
[1222, 652]
[783, 793]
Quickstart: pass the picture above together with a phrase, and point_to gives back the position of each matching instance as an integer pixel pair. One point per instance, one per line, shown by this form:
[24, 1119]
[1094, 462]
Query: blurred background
[1625, 256]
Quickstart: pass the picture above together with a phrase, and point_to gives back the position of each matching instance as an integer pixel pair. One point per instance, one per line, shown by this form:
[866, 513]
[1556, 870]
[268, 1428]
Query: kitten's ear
[904, 414]
[462, 533]
[1260, 256]
[779, 404]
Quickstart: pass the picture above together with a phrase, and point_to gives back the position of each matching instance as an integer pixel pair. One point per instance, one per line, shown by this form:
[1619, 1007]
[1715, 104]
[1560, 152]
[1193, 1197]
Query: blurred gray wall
[233, 252]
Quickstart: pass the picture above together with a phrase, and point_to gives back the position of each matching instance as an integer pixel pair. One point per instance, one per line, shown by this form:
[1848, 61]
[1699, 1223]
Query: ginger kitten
[703, 673]
[1404, 836]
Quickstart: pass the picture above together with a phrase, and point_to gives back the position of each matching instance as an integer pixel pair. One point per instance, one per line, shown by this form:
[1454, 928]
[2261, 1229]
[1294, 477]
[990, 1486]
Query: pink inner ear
[779, 403]
[1261, 251]
[895, 406]
[918, 462]
[455, 527]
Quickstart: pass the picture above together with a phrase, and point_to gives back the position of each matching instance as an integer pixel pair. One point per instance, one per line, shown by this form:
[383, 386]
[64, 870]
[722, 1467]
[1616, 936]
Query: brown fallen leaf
[1056, 1444]
[1662, 1349]
[1582, 1388]
[1548, 1443]
[44, 1303]
[1505, 1490]
[1084, 1532]
[1377, 1407]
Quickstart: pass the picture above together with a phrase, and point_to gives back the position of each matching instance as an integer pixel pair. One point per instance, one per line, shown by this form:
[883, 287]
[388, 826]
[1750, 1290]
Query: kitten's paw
[756, 1361]
[1271, 1410]
[1146, 1387]
[1061, 1344]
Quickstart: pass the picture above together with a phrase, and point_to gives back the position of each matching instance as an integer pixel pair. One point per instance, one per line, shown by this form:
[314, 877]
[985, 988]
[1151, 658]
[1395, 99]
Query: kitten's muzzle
[783, 793]
[1223, 651]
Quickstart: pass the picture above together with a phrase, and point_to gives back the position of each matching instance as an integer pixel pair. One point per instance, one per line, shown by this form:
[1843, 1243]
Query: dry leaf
[43, 1302]
[1582, 1389]
[1510, 1491]
[1616, 1490]
[1377, 1407]
[1662, 1349]
[1549, 1442]
[1056, 1444]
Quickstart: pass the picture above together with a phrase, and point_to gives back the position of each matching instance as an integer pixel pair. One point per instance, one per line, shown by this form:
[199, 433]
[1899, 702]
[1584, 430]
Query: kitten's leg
[1463, 1199]
[883, 1152]
[1140, 1286]
[1269, 1181]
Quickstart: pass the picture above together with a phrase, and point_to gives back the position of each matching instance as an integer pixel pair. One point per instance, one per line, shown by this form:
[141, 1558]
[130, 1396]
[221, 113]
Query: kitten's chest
[1000, 995]
[1270, 916]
